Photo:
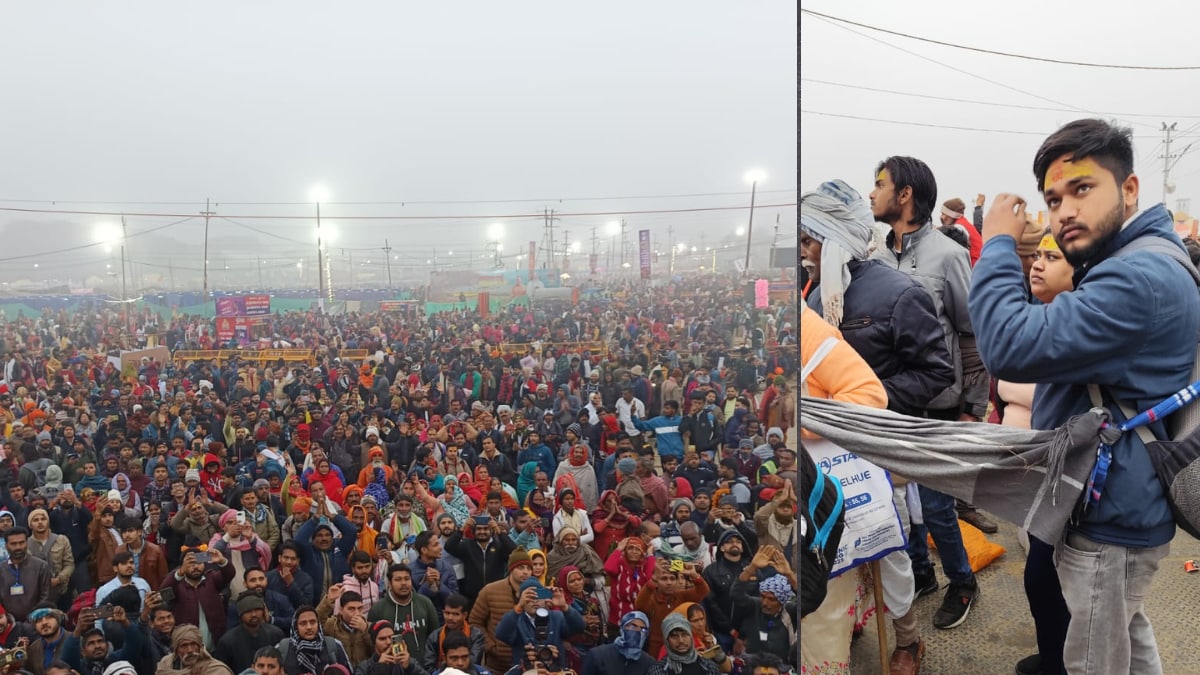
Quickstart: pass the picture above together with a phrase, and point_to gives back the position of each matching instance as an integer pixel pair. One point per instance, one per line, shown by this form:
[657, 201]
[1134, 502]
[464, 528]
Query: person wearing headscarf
[681, 655]
[768, 626]
[579, 592]
[537, 559]
[630, 568]
[838, 218]
[583, 473]
[568, 516]
[456, 502]
[188, 655]
[130, 499]
[611, 522]
[525, 483]
[307, 649]
[626, 654]
[702, 637]
[570, 550]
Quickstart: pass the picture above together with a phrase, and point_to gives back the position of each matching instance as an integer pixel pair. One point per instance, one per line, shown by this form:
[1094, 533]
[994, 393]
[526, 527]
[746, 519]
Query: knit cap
[518, 557]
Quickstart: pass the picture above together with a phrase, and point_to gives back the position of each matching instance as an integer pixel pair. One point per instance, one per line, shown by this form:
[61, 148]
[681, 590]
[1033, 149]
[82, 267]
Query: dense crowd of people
[608, 487]
[1011, 321]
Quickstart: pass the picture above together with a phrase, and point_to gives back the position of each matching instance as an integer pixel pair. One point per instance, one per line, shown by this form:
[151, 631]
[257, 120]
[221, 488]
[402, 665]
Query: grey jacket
[944, 269]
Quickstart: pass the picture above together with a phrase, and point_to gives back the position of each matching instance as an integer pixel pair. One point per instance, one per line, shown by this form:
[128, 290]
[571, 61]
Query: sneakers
[924, 584]
[970, 514]
[955, 606]
[1030, 665]
[907, 660]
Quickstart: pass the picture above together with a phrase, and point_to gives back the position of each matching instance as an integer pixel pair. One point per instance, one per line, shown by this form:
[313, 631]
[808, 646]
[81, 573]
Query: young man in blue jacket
[1130, 328]
[666, 430]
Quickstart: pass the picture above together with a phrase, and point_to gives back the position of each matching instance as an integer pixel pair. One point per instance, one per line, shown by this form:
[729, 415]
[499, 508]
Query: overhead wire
[996, 104]
[80, 247]
[964, 71]
[993, 52]
[399, 217]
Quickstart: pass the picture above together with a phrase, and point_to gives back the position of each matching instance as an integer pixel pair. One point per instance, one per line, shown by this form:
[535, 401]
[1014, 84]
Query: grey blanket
[1032, 478]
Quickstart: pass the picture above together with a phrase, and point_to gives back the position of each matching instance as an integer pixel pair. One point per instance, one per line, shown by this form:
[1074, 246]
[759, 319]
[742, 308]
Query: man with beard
[279, 606]
[198, 589]
[903, 198]
[484, 555]
[25, 580]
[88, 649]
[288, 579]
[188, 655]
[236, 648]
[411, 614]
[403, 523]
[52, 548]
[493, 602]
[724, 615]
[455, 624]
[445, 528]
[324, 561]
[48, 622]
[1123, 346]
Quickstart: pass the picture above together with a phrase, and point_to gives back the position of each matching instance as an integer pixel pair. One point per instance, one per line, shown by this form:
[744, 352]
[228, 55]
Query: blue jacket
[516, 631]
[541, 454]
[1130, 326]
[312, 560]
[666, 430]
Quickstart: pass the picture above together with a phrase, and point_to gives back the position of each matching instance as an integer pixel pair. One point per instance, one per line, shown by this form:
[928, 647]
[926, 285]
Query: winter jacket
[207, 595]
[1130, 327]
[492, 603]
[890, 320]
[415, 620]
[944, 269]
[358, 644]
[151, 564]
[433, 647]
[666, 430]
[481, 566]
[313, 561]
[237, 646]
[517, 630]
[607, 659]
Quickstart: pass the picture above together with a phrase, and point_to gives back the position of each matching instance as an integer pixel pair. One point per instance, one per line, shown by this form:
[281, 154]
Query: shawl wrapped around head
[1031, 478]
[838, 217]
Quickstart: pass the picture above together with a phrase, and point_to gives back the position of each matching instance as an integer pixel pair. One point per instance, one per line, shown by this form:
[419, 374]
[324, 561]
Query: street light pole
[320, 264]
[124, 294]
[750, 228]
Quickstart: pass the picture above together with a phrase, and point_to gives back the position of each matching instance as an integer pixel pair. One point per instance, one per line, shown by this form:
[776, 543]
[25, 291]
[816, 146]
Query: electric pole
[387, 252]
[124, 293]
[592, 260]
[1166, 158]
[671, 243]
[624, 243]
[207, 213]
[260, 283]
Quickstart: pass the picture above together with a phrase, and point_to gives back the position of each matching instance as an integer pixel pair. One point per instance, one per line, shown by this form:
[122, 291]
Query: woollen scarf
[838, 217]
[308, 652]
[676, 662]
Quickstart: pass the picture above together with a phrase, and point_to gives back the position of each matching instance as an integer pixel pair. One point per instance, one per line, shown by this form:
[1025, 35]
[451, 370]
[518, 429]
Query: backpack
[1176, 461]
[821, 523]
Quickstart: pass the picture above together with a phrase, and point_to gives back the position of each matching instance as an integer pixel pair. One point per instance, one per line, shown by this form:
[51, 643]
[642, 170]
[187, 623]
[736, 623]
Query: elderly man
[188, 655]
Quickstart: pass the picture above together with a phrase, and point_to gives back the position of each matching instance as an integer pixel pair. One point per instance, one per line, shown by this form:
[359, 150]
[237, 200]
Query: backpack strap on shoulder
[821, 536]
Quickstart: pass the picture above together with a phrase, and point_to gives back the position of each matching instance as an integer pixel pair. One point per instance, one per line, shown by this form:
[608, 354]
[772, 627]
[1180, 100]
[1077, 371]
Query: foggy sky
[967, 162]
[388, 102]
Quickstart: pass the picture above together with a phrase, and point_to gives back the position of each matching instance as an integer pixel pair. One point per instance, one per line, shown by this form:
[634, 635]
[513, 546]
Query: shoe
[1030, 665]
[955, 606]
[972, 515]
[907, 660]
[925, 584]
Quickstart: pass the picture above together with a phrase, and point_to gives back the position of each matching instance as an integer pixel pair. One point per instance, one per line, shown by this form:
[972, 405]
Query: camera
[14, 656]
[541, 636]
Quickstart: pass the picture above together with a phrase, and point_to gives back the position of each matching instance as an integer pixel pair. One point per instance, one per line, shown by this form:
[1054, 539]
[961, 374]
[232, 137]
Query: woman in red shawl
[333, 484]
[473, 489]
[680, 487]
[612, 522]
[629, 569]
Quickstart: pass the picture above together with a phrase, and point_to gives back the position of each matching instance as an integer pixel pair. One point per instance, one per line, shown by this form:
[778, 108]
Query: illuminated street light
[741, 231]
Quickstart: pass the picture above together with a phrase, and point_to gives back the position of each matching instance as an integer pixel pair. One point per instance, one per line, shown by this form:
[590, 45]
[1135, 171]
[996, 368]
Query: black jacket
[480, 568]
[607, 659]
[890, 320]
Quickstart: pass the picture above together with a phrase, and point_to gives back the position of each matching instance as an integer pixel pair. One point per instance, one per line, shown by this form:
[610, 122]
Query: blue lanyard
[814, 500]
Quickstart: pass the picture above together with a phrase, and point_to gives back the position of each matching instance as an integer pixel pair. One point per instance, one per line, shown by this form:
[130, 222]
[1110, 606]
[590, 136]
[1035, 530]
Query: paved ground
[999, 631]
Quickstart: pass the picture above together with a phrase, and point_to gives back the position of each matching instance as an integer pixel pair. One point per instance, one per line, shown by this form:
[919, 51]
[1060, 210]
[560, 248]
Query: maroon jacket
[188, 599]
